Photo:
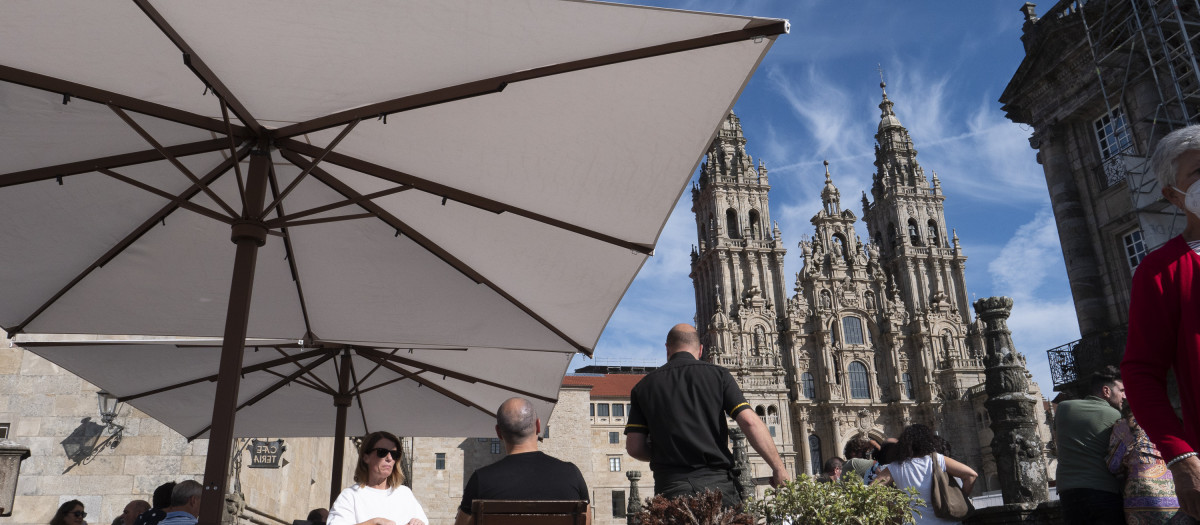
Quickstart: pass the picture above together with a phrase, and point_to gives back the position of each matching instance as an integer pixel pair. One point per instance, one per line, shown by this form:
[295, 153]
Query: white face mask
[1191, 199]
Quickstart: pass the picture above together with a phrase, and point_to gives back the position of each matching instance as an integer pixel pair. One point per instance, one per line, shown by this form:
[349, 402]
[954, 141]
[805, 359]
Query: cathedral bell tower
[925, 266]
[737, 270]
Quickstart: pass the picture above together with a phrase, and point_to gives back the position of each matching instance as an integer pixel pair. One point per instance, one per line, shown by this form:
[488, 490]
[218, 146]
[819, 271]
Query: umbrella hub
[249, 230]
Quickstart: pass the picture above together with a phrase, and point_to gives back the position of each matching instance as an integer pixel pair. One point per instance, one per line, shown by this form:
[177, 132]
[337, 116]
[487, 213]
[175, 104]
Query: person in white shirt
[378, 496]
[910, 467]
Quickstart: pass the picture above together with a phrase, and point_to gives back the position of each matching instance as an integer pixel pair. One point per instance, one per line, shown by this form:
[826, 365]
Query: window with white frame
[439, 461]
[1135, 248]
[4, 430]
[614, 464]
[614, 438]
[1112, 133]
[495, 447]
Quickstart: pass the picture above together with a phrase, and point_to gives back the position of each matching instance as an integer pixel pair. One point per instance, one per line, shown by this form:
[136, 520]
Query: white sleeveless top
[916, 472]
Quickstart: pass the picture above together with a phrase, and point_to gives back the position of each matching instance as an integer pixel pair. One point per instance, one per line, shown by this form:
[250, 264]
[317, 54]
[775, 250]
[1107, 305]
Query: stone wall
[55, 414]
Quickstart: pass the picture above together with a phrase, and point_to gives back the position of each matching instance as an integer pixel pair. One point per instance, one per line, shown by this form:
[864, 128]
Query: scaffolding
[1143, 54]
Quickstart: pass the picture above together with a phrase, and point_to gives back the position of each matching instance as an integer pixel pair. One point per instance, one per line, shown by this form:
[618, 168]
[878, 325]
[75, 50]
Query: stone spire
[831, 198]
[895, 157]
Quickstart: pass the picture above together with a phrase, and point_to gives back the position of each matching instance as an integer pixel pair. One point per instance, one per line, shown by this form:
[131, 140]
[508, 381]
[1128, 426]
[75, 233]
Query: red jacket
[1164, 332]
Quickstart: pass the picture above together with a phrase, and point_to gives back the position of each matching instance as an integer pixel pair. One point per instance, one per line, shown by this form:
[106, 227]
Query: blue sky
[816, 97]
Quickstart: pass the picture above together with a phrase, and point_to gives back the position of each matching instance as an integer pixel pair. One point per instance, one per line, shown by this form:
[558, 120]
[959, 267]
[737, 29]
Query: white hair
[1165, 162]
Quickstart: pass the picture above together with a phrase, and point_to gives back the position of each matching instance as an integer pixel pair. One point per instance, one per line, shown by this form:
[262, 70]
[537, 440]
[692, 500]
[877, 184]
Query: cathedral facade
[876, 334]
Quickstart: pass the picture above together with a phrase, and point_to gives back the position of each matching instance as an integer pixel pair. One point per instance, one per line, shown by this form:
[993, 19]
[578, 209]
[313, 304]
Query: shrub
[837, 503]
[698, 509]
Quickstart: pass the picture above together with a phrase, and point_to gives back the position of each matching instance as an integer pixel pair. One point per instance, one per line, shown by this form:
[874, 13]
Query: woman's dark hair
[942, 446]
[857, 447]
[316, 517]
[915, 441]
[886, 452]
[60, 517]
[368, 444]
[832, 464]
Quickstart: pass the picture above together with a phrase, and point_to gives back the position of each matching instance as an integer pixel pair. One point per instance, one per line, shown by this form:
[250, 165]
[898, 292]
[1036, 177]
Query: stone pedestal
[1045, 513]
[741, 464]
[1013, 410]
[11, 456]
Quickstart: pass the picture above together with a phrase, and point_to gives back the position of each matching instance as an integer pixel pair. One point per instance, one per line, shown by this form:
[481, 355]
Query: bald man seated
[525, 474]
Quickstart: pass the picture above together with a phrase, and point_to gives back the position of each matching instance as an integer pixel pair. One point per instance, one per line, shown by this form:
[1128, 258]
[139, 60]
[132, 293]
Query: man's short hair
[185, 491]
[516, 423]
[162, 495]
[681, 337]
[831, 465]
[1105, 377]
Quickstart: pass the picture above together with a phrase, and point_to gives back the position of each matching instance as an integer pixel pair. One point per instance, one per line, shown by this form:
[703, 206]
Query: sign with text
[266, 454]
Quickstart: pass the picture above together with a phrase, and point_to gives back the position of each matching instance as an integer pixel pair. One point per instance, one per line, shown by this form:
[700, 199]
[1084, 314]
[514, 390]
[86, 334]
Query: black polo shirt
[682, 407]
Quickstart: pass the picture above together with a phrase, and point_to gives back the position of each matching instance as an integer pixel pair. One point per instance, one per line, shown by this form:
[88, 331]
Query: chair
[497, 512]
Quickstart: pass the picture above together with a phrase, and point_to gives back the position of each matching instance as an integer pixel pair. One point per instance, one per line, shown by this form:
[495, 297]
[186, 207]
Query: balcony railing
[1079, 359]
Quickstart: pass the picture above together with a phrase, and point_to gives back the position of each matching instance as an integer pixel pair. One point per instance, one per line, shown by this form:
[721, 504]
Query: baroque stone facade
[877, 334]
[1101, 82]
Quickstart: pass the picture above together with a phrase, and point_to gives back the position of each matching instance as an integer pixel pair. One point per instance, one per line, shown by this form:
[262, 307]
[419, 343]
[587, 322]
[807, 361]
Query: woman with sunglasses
[378, 496]
[70, 513]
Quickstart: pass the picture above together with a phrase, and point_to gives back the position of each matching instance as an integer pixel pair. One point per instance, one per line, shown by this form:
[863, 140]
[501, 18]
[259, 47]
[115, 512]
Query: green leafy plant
[698, 509]
[837, 503]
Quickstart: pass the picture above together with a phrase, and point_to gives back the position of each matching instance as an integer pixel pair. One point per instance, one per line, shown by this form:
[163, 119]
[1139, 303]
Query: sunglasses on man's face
[80, 514]
[383, 452]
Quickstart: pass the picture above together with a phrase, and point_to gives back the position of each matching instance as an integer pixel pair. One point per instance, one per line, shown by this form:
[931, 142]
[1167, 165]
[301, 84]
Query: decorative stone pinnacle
[990, 307]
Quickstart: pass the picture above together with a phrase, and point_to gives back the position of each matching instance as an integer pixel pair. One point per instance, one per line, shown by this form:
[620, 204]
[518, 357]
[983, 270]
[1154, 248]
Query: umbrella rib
[291, 255]
[461, 376]
[100, 96]
[133, 236]
[303, 381]
[313, 376]
[237, 168]
[316, 160]
[114, 161]
[448, 192]
[754, 29]
[362, 411]
[183, 204]
[201, 70]
[337, 218]
[283, 220]
[425, 382]
[171, 158]
[346, 191]
[271, 389]
[209, 378]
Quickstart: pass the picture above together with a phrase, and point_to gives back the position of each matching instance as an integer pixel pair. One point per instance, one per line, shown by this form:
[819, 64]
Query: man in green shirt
[1089, 493]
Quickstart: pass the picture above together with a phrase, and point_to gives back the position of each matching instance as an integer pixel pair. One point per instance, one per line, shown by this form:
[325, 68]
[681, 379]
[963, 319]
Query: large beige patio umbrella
[441, 173]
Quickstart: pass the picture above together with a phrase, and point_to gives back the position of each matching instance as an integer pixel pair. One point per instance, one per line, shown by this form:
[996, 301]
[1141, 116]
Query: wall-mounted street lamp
[110, 407]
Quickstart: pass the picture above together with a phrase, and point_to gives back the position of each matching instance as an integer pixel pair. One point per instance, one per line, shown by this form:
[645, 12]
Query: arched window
[814, 452]
[755, 230]
[914, 233]
[808, 385]
[891, 234]
[858, 381]
[731, 224]
[909, 393]
[761, 411]
[852, 330]
[933, 233]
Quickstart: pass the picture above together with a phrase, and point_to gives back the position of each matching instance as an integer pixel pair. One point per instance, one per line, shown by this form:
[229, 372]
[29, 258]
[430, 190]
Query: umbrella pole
[249, 234]
[342, 402]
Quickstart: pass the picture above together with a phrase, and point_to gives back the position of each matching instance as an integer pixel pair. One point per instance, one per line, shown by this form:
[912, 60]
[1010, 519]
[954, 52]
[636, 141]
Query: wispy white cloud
[1030, 270]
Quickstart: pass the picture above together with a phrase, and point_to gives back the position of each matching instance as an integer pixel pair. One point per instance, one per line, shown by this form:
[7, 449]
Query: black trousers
[675, 485]
[1092, 507]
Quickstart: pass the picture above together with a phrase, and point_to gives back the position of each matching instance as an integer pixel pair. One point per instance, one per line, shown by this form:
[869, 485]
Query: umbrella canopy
[439, 173]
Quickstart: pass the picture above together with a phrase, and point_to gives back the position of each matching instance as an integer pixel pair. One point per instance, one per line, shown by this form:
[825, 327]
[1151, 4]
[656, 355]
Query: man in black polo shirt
[677, 423]
[525, 474]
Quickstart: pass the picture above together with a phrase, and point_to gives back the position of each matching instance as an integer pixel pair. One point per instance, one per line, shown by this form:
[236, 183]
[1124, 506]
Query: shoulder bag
[945, 498]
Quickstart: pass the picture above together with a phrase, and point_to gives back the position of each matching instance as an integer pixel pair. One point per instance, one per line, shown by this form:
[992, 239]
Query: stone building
[75, 456]
[878, 333]
[1101, 82]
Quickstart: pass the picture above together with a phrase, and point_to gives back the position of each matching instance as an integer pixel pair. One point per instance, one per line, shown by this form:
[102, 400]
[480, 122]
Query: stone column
[11, 456]
[741, 464]
[635, 500]
[1013, 410]
[805, 453]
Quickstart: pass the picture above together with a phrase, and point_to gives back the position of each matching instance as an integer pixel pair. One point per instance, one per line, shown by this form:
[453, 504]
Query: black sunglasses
[79, 514]
[383, 452]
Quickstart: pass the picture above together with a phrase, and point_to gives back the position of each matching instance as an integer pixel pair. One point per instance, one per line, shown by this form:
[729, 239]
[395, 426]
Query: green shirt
[1083, 427]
